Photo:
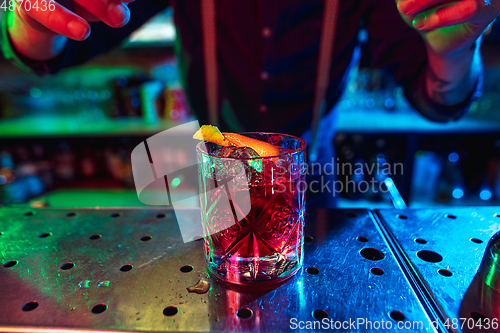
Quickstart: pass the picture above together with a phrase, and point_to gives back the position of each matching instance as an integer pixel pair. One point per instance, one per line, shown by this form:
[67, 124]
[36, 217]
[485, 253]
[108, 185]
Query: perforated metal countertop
[128, 270]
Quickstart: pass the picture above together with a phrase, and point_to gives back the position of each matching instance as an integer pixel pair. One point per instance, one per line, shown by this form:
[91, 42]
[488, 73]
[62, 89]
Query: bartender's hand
[70, 17]
[449, 26]
[41, 34]
[451, 30]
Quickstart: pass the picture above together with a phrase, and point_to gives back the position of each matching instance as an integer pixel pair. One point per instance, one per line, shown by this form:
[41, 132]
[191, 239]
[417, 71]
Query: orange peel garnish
[262, 148]
[212, 134]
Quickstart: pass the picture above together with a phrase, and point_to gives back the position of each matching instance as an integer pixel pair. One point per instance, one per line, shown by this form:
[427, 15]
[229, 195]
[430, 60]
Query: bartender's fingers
[33, 23]
[113, 13]
[58, 19]
[454, 13]
[410, 7]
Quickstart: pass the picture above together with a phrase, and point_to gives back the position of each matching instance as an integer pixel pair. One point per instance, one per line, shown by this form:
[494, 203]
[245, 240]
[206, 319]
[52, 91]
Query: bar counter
[128, 270]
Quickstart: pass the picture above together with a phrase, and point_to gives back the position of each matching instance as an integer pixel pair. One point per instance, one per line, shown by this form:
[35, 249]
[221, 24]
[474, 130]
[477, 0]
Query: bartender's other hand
[70, 17]
[449, 26]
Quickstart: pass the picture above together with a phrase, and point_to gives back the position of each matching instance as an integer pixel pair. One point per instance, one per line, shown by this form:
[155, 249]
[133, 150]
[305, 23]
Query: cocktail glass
[252, 210]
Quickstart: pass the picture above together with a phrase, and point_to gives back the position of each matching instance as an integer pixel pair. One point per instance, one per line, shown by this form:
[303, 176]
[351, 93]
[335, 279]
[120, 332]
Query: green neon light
[176, 182]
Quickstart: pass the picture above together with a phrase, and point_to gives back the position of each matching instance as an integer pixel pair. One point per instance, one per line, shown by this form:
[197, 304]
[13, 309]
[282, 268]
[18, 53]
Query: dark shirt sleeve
[102, 38]
[396, 46]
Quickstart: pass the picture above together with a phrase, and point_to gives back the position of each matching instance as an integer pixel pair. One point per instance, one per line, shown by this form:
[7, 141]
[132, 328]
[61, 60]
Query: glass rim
[290, 153]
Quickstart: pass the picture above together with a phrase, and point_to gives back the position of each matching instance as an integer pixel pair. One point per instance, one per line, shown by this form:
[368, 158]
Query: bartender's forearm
[33, 44]
[452, 78]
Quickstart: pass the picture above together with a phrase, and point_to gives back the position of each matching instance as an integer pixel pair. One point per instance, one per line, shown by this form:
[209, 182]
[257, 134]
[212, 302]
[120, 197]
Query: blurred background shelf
[356, 120]
[70, 126]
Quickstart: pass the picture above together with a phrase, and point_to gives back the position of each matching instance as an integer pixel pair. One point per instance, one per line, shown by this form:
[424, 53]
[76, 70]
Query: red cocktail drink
[253, 209]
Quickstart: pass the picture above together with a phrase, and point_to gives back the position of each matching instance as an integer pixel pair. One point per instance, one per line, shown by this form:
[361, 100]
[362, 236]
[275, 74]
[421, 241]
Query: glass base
[262, 271]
